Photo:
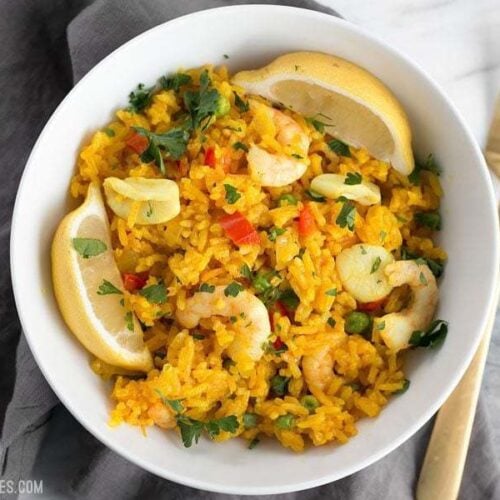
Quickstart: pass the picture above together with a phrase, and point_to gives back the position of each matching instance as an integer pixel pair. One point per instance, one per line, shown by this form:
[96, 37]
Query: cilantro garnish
[156, 294]
[202, 104]
[107, 288]
[175, 404]
[89, 247]
[232, 194]
[191, 429]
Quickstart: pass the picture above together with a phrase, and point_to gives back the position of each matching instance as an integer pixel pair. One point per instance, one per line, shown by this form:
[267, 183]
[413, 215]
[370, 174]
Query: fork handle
[444, 461]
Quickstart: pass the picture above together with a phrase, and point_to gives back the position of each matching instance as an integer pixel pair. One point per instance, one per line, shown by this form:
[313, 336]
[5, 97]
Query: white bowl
[252, 36]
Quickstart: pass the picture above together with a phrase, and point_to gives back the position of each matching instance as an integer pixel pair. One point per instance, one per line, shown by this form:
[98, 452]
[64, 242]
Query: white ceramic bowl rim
[186, 478]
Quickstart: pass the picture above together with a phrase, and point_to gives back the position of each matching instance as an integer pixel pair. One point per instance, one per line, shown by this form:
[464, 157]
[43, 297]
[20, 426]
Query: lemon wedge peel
[122, 347]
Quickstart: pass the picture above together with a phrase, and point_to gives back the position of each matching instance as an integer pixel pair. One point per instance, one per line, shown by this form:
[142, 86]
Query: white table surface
[457, 42]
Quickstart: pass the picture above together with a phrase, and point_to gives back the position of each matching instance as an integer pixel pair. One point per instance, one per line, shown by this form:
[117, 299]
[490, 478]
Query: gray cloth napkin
[45, 47]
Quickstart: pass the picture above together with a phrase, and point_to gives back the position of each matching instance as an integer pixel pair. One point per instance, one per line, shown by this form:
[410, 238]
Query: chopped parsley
[404, 387]
[432, 337]
[149, 213]
[107, 288]
[246, 272]
[295, 155]
[376, 264]
[274, 232]
[331, 322]
[240, 103]
[253, 443]
[198, 336]
[313, 195]
[363, 250]
[225, 56]
[109, 132]
[175, 404]
[173, 142]
[380, 325]
[279, 385]
[317, 124]
[155, 294]
[140, 98]
[175, 81]
[129, 321]
[432, 220]
[202, 104]
[353, 178]
[347, 215]
[232, 194]
[382, 235]
[332, 292]
[205, 287]
[436, 266]
[240, 145]
[233, 289]
[89, 247]
[422, 278]
[289, 299]
[430, 165]
[339, 148]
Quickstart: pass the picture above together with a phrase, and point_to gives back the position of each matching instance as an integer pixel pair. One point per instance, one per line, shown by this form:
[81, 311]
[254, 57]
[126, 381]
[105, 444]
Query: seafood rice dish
[237, 269]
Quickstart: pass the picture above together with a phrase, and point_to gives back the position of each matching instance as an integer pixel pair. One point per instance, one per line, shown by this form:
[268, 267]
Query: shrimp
[318, 368]
[397, 328]
[253, 326]
[279, 170]
[162, 416]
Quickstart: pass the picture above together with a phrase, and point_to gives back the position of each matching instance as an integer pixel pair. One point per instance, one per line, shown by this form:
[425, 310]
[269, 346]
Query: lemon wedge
[354, 106]
[155, 200]
[88, 288]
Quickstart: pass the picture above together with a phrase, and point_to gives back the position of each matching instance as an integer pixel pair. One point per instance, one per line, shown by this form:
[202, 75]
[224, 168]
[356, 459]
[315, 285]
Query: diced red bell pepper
[307, 225]
[138, 143]
[133, 282]
[281, 308]
[239, 229]
[371, 306]
[278, 344]
[210, 157]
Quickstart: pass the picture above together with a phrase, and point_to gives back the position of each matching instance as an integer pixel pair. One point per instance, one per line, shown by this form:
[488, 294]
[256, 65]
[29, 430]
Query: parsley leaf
[140, 98]
[89, 247]
[156, 294]
[353, 178]
[233, 289]
[107, 288]
[274, 232]
[376, 265]
[331, 322]
[317, 124]
[289, 299]
[436, 266]
[109, 132]
[339, 148]
[347, 215]
[246, 272]
[232, 194]
[432, 220]
[174, 142]
[240, 103]
[239, 145]
[191, 430]
[175, 404]
[205, 287]
[429, 165]
[175, 81]
[404, 387]
[279, 385]
[250, 420]
[422, 278]
[129, 321]
[253, 443]
[202, 104]
[432, 337]
[332, 292]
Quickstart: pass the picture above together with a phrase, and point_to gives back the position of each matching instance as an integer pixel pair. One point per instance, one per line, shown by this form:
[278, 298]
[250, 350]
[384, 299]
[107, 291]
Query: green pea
[223, 106]
[357, 322]
[285, 422]
[309, 402]
[250, 420]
